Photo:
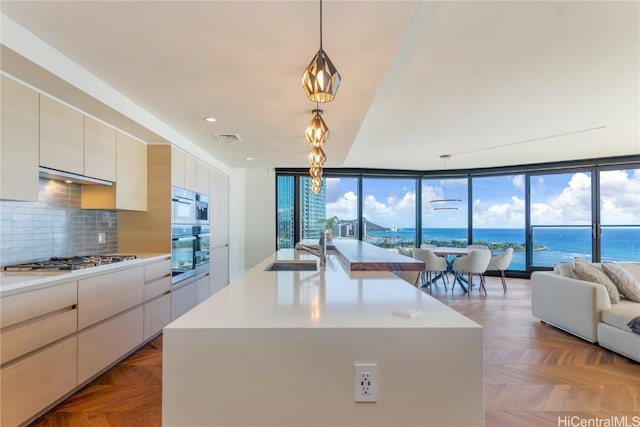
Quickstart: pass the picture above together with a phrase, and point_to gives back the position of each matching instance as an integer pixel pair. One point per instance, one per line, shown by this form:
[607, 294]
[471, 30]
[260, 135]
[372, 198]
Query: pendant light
[317, 132]
[316, 185]
[446, 197]
[321, 79]
[317, 157]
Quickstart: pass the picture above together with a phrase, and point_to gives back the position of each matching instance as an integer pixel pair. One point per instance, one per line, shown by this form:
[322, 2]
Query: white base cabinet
[104, 344]
[202, 288]
[183, 299]
[32, 384]
[157, 315]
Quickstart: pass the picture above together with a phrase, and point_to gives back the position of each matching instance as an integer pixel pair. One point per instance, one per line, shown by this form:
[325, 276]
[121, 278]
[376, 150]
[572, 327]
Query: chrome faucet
[323, 248]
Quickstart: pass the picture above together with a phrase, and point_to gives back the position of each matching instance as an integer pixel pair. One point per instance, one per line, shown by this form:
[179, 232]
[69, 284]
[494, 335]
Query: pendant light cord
[321, 25]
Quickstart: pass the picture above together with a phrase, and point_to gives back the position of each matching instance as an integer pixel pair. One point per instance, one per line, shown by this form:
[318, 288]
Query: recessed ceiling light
[210, 119]
[248, 158]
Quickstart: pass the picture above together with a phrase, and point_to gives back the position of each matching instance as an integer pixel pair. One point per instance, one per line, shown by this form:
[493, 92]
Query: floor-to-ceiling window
[445, 211]
[619, 230]
[342, 203]
[561, 217]
[389, 211]
[549, 214]
[285, 211]
[498, 215]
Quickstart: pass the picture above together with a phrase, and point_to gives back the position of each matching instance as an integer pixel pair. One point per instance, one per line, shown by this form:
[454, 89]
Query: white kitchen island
[279, 348]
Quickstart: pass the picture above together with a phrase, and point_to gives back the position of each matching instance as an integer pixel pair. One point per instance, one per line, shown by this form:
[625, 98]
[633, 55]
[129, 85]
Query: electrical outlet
[366, 382]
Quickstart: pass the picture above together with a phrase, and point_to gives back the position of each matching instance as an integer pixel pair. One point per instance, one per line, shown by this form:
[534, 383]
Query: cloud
[392, 212]
[518, 182]
[503, 215]
[345, 207]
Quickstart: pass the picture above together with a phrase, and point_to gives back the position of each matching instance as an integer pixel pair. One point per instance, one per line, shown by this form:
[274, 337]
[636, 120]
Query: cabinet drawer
[103, 345]
[157, 315]
[157, 270]
[159, 287]
[33, 384]
[202, 289]
[183, 300]
[29, 305]
[32, 335]
[103, 296]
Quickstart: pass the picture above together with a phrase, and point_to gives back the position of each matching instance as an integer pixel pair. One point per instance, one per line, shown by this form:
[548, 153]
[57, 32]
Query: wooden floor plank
[535, 374]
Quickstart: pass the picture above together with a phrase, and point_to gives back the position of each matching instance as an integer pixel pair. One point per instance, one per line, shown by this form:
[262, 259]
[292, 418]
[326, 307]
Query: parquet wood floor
[535, 375]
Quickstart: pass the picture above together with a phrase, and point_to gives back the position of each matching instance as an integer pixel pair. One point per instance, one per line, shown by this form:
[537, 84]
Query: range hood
[71, 178]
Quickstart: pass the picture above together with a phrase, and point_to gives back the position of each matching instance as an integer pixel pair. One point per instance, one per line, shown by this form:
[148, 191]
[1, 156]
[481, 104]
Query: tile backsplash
[54, 226]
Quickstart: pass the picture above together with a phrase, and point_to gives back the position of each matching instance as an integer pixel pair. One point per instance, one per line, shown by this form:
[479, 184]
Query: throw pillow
[626, 283]
[590, 273]
[563, 269]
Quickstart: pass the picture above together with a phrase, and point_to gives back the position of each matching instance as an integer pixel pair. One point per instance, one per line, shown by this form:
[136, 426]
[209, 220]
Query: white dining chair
[501, 263]
[433, 264]
[404, 251]
[485, 247]
[475, 263]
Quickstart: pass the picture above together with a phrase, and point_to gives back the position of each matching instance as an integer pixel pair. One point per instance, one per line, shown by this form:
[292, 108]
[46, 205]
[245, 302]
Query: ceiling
[491, 83]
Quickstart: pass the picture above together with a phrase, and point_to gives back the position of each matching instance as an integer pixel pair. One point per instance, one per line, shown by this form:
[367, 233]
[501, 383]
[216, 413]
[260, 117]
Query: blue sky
[498, 202]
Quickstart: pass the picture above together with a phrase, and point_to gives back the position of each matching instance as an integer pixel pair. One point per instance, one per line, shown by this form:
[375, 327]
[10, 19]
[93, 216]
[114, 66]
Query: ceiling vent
[231, 138]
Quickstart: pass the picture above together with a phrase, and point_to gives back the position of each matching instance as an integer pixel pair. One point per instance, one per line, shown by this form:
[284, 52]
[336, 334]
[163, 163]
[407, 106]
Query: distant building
[313, 208]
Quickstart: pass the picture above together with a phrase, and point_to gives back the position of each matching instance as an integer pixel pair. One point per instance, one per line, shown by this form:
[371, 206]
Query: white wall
[260, 216]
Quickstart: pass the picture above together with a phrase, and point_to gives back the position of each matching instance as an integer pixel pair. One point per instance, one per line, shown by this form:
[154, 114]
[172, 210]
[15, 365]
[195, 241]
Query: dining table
[450, 253]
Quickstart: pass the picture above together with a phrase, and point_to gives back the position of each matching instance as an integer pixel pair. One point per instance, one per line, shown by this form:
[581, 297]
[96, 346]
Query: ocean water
[552, 244]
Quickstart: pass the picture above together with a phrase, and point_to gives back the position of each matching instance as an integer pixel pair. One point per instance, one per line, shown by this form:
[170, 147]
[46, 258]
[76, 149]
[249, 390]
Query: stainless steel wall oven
[202, 244]
[183, 205]
[202, 209]
[183, 244]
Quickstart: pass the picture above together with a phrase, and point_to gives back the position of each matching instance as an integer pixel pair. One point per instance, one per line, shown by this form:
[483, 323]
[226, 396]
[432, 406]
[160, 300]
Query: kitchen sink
[292, 266]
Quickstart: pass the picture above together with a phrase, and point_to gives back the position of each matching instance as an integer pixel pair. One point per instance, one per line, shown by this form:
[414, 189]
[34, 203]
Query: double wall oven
[190, 234]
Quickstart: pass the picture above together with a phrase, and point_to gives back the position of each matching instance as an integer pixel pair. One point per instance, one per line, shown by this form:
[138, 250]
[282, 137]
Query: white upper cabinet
[203, 181]
[61, 136]
[130, 190]
[19, 148]
[99, 149]
[177, 167]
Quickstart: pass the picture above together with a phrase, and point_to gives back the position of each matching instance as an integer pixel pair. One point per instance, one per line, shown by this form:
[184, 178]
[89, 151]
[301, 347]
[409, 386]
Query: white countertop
[16, 282]
[328, 298]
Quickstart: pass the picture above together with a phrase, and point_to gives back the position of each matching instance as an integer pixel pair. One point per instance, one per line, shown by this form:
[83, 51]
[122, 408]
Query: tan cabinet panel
[100, 347]
[99, 150]
[33, 384]
[19, 143]
[157, 315]
[61, 136]
[103, 296]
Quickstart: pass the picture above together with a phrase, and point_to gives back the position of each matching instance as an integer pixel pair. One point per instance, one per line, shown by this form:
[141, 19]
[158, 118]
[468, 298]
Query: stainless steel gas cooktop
[69, 263]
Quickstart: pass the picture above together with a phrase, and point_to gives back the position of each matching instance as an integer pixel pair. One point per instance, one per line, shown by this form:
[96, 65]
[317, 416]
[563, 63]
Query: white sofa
[584, 309]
